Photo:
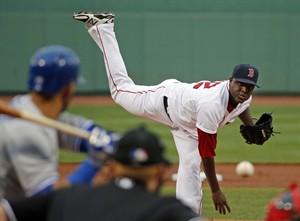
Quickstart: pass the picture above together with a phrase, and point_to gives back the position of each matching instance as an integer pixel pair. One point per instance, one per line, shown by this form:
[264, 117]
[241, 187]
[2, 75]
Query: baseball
[244, 169]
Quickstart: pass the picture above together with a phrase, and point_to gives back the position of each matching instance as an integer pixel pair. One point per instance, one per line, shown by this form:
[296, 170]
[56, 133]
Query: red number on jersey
[207, 84]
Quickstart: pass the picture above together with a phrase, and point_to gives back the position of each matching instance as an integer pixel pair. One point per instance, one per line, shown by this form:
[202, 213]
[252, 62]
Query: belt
[165, 99]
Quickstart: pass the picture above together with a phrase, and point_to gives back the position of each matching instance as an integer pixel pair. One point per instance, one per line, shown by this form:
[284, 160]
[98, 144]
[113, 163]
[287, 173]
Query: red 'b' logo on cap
[251, 73]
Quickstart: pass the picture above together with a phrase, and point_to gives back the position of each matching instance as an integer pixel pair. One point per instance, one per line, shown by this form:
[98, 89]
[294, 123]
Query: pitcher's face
[239, 91]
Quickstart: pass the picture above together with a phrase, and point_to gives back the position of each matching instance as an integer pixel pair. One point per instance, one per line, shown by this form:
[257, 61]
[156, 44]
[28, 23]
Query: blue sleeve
[45, 190]
[85, 173]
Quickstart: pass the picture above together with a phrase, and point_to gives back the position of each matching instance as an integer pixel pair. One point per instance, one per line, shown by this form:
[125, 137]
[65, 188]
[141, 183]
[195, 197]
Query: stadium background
[188, 40]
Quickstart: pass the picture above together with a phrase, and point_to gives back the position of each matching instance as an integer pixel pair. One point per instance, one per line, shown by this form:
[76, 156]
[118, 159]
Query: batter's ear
[68, 90]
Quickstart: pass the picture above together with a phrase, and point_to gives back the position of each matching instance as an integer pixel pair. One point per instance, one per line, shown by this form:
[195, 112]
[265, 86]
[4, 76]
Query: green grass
[281, 148]
[246, 203]
[231, 148]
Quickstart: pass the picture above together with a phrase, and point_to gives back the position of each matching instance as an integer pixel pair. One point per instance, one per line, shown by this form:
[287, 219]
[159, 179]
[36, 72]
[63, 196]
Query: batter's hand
[220, 202]
[104, 145]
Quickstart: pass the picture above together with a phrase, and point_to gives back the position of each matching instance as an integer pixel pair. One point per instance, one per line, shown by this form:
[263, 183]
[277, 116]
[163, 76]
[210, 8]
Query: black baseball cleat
[94, 18]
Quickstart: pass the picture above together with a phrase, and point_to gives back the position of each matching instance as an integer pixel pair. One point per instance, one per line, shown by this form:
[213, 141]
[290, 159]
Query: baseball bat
[75, 131]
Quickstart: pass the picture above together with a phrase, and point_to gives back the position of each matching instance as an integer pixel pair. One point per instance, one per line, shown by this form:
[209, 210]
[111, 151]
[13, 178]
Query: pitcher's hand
[220, 202]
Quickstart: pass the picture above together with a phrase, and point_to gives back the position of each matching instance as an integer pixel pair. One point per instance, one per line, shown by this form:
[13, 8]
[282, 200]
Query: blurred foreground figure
[286, 206]
[29, 151]
[138, 170]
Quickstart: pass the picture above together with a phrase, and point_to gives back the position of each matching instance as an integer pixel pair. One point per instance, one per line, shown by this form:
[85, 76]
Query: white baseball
[244, 169]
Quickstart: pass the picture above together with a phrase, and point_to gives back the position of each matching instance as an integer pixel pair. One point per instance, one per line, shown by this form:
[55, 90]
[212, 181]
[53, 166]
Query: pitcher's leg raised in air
[140, 100]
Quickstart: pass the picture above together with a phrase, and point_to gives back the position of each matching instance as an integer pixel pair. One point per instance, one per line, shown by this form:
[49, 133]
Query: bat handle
[8, 110]
[57, 125]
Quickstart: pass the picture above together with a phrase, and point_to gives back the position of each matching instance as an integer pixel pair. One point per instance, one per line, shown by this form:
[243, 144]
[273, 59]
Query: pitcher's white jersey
[201, 105]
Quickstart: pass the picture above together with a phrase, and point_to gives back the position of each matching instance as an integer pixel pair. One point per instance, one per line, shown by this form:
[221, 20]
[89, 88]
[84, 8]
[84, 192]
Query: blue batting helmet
[51, 68]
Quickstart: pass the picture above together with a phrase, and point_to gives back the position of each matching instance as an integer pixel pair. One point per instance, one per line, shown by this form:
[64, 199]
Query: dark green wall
[189, 40]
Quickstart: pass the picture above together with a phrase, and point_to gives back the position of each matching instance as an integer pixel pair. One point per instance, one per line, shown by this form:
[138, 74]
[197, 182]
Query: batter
[29, 151]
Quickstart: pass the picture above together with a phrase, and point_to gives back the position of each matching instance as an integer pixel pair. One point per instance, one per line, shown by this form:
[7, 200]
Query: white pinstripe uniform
[200, 105]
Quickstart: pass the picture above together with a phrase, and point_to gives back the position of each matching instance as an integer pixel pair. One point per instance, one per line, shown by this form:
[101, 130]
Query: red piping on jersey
[110, 75]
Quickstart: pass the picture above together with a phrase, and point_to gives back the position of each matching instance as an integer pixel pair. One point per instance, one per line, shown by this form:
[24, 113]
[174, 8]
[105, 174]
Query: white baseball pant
[147, 102]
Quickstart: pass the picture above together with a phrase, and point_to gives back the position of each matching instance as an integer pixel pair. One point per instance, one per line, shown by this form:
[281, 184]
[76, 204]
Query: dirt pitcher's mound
[266, 175]
[270, 175]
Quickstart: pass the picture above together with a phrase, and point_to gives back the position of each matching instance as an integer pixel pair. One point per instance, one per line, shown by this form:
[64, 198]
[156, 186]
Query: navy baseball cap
[245, 73]
[139, 147]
